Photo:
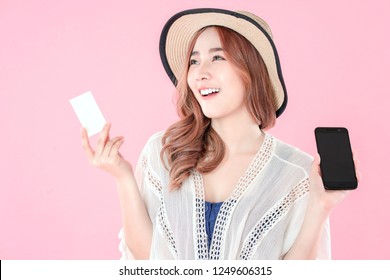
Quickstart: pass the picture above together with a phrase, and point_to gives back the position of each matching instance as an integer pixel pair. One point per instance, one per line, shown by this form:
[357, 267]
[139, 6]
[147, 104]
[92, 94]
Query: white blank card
[88, 112]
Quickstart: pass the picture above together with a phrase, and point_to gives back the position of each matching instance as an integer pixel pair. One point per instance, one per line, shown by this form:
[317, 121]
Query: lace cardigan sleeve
[300, 195]
[297, 214]
[150, 191]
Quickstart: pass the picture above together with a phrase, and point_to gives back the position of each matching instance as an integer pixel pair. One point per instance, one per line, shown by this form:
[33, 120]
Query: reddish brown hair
[191, 142]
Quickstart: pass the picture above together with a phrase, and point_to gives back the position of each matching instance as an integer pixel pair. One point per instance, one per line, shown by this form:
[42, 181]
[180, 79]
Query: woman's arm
[308, 241]
[320, 205]
[136, 223]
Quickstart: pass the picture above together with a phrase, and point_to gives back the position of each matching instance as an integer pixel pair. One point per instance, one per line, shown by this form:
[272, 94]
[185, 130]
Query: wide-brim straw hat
[180, 28]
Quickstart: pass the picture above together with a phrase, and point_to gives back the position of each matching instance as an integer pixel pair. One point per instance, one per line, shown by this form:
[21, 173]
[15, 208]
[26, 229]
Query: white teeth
[208, 91]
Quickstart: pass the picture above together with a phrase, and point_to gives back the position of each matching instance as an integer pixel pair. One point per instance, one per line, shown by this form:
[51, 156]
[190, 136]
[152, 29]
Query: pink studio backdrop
[54, 205]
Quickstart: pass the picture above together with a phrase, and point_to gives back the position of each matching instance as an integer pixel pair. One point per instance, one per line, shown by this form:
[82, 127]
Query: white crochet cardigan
[260, 220]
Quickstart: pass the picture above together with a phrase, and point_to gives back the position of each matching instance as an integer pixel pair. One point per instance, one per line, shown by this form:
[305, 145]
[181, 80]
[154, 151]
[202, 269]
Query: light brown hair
[191, 142]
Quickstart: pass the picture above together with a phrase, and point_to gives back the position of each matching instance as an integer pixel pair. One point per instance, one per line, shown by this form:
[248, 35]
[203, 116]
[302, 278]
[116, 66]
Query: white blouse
[260, 220]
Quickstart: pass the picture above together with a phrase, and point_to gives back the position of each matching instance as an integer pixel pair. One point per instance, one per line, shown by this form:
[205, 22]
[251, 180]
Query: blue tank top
[211, 213]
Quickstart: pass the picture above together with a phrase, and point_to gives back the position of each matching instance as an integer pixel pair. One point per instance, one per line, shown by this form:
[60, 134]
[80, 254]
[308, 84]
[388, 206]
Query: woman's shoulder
[151, 152]
[156, 137]
[292, 154]
[155, 140]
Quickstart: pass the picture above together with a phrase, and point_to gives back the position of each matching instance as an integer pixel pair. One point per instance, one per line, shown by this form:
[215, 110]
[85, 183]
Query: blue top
[211, 213]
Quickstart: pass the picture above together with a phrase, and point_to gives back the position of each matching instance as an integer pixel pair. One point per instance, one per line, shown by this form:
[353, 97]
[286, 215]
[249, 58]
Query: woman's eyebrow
[215, 49]
[218, 49]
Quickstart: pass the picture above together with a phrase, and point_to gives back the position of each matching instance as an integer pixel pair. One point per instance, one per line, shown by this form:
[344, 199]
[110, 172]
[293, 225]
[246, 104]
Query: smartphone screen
[337, 166]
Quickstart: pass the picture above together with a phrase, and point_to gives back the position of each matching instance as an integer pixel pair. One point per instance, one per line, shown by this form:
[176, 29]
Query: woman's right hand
[107, 155]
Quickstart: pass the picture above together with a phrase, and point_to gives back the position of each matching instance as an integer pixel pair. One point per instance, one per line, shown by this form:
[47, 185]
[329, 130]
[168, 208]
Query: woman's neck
[239, 135]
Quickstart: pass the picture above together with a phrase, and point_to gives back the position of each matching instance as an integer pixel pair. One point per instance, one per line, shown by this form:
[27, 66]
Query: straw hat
[180, 28]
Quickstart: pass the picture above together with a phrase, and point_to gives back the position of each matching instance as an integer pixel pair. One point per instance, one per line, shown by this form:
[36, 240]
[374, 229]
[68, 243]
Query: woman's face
[213, 79]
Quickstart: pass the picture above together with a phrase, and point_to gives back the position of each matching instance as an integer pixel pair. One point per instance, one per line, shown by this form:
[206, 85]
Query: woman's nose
[203, 73]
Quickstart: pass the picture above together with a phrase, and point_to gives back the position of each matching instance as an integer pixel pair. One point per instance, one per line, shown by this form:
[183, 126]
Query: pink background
[53, 205]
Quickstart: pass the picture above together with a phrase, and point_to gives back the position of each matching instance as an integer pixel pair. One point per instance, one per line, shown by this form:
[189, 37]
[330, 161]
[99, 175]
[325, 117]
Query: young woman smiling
[215, 184]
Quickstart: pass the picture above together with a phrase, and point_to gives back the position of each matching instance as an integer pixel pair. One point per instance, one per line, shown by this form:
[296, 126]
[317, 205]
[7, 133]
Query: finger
[358, 176]
[357, 172]
[354, 154]
[85, 144]
[355, 158]
[316, 164]
[107, 150]
[356, 162]
[318, 158]
[115, 148]
[103, 138]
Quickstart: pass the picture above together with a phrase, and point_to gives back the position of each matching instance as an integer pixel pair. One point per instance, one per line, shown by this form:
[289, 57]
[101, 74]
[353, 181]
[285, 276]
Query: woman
[215, 185]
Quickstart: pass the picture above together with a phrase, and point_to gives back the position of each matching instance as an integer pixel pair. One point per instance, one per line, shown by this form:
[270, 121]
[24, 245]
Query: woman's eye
[193, 61]
[218, 57]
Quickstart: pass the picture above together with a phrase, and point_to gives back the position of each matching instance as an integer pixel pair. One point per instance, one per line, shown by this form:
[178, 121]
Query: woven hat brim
[179, 30]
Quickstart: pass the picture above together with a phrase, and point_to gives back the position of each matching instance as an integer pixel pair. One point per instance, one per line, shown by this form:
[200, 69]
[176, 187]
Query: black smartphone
[337, 166]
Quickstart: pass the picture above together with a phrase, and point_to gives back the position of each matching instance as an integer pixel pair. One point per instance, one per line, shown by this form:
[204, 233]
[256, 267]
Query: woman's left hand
[328, 199]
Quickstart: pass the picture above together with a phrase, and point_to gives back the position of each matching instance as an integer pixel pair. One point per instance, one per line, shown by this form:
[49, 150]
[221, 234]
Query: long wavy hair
[191, 143]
